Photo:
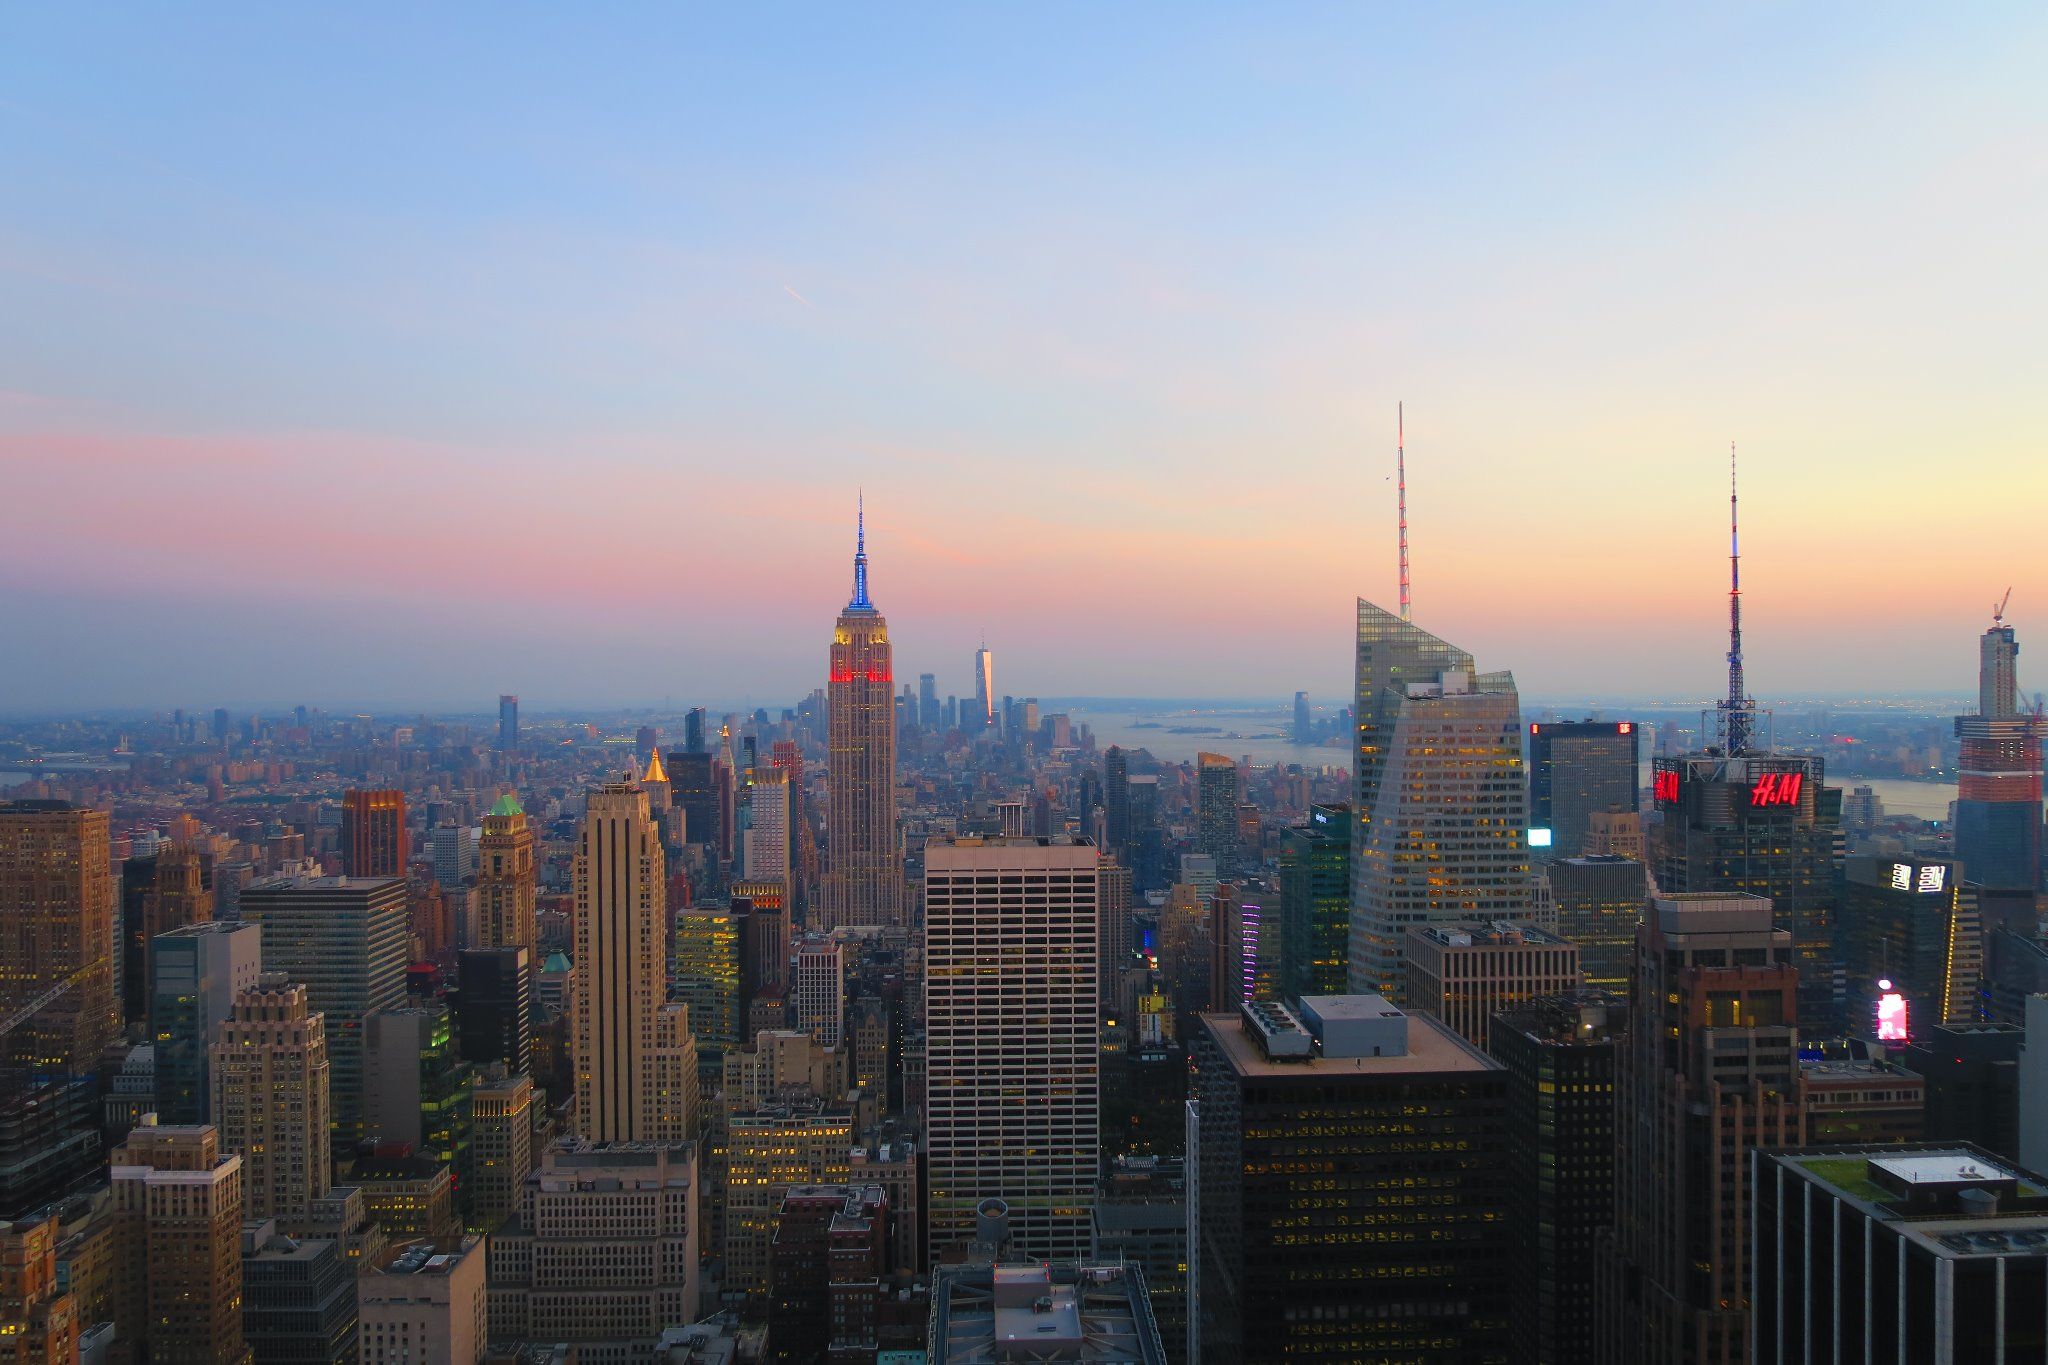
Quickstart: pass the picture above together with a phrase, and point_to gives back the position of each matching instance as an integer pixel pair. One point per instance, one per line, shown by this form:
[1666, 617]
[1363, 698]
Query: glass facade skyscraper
[1577, 767]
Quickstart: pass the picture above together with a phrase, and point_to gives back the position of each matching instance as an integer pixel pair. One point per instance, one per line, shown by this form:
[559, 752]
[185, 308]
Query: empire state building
[864, 883]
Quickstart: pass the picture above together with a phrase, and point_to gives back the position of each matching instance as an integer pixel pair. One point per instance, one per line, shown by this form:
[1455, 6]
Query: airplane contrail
[798, 297]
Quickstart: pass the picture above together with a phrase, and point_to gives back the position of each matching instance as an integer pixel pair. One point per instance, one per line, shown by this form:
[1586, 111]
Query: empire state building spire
[860, 600]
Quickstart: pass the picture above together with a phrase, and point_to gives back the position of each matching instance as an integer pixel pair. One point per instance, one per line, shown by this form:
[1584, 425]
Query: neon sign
[1664, 786]
[1777, 789]
[1932, 879]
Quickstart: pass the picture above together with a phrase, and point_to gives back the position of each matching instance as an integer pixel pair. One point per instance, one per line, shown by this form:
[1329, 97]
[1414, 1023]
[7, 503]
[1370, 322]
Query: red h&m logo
[1664, 786]
[1777, 789]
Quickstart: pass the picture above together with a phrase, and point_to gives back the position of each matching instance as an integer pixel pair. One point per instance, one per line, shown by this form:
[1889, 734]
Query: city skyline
[275, 419]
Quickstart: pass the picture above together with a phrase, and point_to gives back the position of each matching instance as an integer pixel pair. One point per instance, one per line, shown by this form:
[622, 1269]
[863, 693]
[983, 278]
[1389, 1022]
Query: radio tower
[1401, 471]
[1738, 710]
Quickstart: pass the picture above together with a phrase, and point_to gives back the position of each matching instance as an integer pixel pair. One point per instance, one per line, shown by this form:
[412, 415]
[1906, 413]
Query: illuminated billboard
[1891, 1015]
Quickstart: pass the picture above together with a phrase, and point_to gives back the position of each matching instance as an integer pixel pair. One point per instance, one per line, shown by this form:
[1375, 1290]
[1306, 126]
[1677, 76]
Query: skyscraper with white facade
[1012, 1038]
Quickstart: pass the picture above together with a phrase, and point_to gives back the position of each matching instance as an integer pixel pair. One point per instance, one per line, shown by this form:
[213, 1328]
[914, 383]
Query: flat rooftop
[1038, 1311]
[1432, 1047]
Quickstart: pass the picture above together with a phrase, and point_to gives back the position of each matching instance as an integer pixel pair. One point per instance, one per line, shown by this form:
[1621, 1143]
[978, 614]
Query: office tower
[343, 938]
[1315, 903]
[1598, 899]
[270, 1098]
[56, 937]
[604, 1247]
[1304, 723]
[454, 855]
[1758, 824]
[179, 896]
[821, 989]
[508, 721]
[422, 1095]
[865, 881]
[373, 836]
[131, 930]
[767, 945]
[501, 1155]
[494, 1007]
[692, 791]
[430, 1303]
[1908, 929]
[1464, 974]
[984, 689]
[927, 702]
[1144, 838]
[220, 725]
[408, 1196]
[199, 971]
[176, 1202]
[1073, 1310]
[769, 842]
[636, 1064]
[1116, 802]
[1141, 1218]
[710, 973]
[829, 1262]
[505, 895]
[1998, 805]
[693, 732]
[1216, 809]
[1560, 1059]
[38, 1323]
[1615, 834]
[1934, 1252]
[795, 1140]
[1708, 1073]
[1308, 1138]
[1115, 935]
[298, 1298]
[50, 1137]
[1012, 1037]
[1440, 827]
[1972, 1084]
[1578, 768]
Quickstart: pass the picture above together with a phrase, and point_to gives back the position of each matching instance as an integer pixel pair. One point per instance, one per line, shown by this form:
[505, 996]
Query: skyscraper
[1440, 827]
[769, 831]
[1116, 802]
[505, 878]
[270, 1098]
[1012, 1038]
[864, 884]
[373, 837]
[508, 721]
[56, 936]
[1709, 1073]
[176, 1201]
[1908, 928]
[1216, 809]
[1347, 1188]
[709, 974]
[1304, 722]
[343, 938]
[494, 1006]
[984, 689]
[1315, 903]
[636, 1064]
[927, 702]
[1599, 898]
[1577, 767]
[198, 972]
[1998, 805]
[821, 990]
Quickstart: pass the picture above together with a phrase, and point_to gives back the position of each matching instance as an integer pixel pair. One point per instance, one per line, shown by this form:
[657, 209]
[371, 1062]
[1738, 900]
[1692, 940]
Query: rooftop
[1432, 1048]
[1039, 1311]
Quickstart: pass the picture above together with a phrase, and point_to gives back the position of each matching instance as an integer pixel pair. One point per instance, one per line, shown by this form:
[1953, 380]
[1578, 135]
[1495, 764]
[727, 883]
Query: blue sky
[365, 356]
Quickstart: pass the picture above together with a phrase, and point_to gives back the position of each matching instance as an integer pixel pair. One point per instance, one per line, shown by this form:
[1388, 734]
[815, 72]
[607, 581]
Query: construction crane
[35, 1005]
[1998, 612]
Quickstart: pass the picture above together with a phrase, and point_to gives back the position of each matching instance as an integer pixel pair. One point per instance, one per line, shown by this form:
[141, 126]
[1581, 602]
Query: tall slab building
[1440, 828]
[635, 1061]
[1012, 1038]
[505, 878]
[1998, 797]
[864, 884]
[56, 936]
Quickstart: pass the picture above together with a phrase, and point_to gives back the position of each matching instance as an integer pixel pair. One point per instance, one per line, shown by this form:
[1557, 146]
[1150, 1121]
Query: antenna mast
[1401, 471]
[1738, 710]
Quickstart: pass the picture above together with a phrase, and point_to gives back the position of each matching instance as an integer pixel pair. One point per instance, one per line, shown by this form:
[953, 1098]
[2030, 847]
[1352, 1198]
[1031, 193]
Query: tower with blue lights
[864, 876]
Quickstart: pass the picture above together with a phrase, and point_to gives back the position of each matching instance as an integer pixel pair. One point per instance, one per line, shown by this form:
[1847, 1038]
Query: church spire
[860, 600]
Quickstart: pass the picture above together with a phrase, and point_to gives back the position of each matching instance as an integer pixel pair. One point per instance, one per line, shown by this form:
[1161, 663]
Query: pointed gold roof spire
[655, 772]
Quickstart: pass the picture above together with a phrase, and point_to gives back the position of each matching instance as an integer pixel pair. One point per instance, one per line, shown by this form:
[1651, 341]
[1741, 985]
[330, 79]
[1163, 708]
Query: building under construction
[1998, 806]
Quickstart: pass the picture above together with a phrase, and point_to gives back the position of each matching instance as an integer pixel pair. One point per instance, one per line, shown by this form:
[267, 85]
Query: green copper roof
[558, 961]
[508, 804]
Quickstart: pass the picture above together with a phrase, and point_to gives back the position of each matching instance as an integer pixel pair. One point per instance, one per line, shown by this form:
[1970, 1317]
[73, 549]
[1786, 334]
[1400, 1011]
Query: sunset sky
[360, 357]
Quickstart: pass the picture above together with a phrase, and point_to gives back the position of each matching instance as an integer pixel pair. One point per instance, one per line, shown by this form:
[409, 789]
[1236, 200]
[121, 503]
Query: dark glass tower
[1315, 903]
[1578, 767]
